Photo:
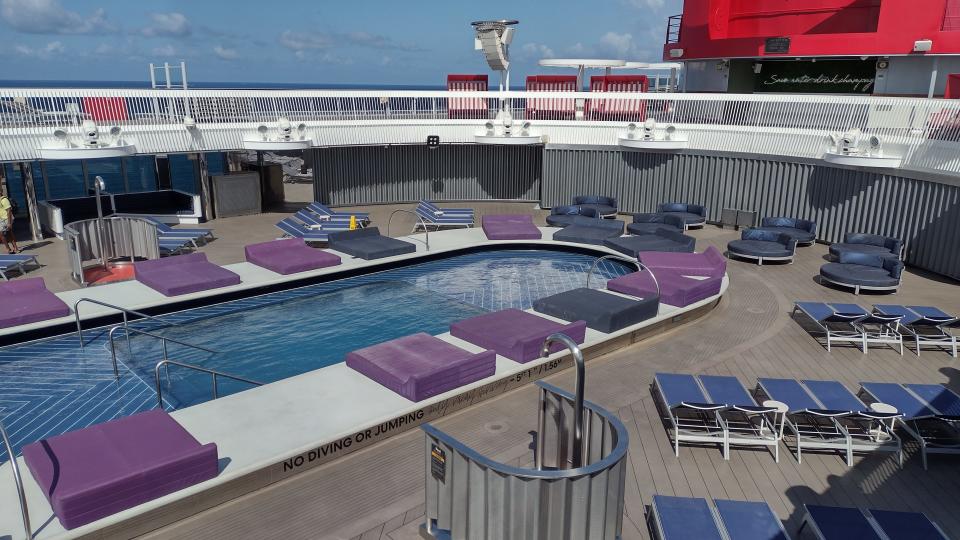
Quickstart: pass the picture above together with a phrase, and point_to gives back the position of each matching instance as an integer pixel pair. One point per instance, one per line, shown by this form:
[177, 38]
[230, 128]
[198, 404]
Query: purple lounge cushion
[510, 227]
[515, 334]
[103, 469]
[675, 289]
[421, 365]
[183, 274]
[707, 263]
[28, 300]
[289, 256]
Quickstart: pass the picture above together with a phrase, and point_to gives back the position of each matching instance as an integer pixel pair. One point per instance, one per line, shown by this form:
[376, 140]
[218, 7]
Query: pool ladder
[18, 480]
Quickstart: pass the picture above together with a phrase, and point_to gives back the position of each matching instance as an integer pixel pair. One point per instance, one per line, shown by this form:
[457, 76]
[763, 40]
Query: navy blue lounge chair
[312, 221]
[693, 215]
[326, 214]
[164, 230]
[605, 206]
[683, 518]
[170, 245]
[693, 417]
[907, 525]
[936, 432]
[16, 262]
[746, 422]
[437, 217]
[852, 323]
[295, 229]
[926, 324]
[749, 520]
[840, 523]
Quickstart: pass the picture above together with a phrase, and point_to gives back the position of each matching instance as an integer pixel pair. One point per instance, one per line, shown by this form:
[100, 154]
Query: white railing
[924, 132]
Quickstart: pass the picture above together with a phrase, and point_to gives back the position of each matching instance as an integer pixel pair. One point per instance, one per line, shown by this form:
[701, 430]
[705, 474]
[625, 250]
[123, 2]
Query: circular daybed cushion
[689, 218]
[602, 209]
[758, 248]
[649, 228]
[563, 220]
[633, 245]
[800, 235]
[857, 274]
[837, 249]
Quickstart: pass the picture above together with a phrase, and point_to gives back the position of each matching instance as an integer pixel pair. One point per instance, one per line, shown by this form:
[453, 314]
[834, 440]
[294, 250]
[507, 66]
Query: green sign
[820, 77]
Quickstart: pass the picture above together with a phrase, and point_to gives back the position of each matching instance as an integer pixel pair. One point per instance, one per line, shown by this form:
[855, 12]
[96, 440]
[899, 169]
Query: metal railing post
[578, 393]
[426, 232]
[18, 480]
[214, 373]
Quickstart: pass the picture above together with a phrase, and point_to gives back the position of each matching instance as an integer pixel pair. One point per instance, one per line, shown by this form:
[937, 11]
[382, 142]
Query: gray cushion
[661, 240]
[586, 230]
[758, 248]
[602, 311]
[648, 228]
[837, 249]
[857, 274]
[602, 209]
[367, 243]
[688, 217]
[800, 235]
[561, 216]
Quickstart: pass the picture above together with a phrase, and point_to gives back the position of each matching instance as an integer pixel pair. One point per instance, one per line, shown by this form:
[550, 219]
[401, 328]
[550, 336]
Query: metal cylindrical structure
[109, 239]
[469, 495]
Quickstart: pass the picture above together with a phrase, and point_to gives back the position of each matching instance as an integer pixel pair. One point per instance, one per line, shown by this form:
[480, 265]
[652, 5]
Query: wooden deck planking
[378, 492]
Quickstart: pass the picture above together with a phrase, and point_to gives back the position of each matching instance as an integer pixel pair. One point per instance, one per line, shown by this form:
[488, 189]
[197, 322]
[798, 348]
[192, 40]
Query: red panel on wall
[951, 16]
[953, 86]
[105, 108]
[752, 18]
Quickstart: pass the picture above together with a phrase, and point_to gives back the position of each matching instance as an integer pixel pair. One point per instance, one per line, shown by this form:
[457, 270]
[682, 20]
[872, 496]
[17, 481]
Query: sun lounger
[937, 433]
[746, 422]
[288, 256]
[838, 523]
[683, 518]
[103, 469]
[165, 230]
[420, 366]
[906, 525]
[28, 300]
[749, 520]
[515, 334]
[294, 229]
[16, 262]
[812, 425]
[368, 244]
[510, 227]
[438, 217]
[926, 324]
[693, 417]
[939, 397]
[852, 323]
[324, 210]
[183, 274]
[314, 222]
[175, 246]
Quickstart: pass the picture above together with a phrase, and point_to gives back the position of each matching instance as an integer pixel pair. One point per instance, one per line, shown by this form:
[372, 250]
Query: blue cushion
[602, 311]
[661, 240]
[790, 223]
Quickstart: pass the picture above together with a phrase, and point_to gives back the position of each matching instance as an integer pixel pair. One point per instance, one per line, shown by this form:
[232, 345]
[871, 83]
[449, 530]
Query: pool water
[52, 386]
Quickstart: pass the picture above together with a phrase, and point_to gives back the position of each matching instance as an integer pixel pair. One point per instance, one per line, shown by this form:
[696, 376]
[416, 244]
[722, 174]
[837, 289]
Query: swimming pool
[52, 386]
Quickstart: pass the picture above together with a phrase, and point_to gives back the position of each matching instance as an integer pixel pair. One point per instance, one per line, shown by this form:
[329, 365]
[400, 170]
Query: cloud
[374, 41]
[168, 24]
[51, 49]
[49, 17]
[621, 45]
[645, 4]
[535, 51]
[164, 50]
[225, 53]
[301, 41]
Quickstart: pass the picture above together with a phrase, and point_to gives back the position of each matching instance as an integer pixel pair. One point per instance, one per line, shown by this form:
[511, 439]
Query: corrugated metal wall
[925, 214]
[404, 173]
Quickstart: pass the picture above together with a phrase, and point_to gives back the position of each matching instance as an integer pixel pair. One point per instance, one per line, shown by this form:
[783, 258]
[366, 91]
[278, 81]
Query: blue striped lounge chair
[294, 229]
[175, 246]
[437, 217]
[746, 422]
[689, 518]
[166, 231]
[934, 427]
[841, 322]
[927, 325]
[842, 523]
[327, 214]
[16, 262]
[312, 221]
[692, 416]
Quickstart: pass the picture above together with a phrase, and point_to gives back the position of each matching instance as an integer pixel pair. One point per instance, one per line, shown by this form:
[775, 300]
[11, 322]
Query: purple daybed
[289, 256]
[510, 227]
[100, 470]
[28, 300]
[182, 274]
[515, 334]
[421, 365]
[675, 289]
[710, 262]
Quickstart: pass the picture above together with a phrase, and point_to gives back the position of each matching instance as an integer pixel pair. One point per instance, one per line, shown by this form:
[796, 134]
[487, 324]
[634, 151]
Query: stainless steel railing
[426, 232]
[125, 311]
[18, 480]
[163, 343]
[640, 268]
[577, 454]
[212, 372]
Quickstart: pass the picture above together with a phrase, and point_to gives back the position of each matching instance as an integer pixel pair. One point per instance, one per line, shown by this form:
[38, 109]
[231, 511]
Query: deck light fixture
[91, 134]
[668, 132]
[525, 129]
[189, 123]
[433, 142]
[649, 127]
[284, 129]
[875, 144]
[262, 130]
[631, 131]
[490, 128]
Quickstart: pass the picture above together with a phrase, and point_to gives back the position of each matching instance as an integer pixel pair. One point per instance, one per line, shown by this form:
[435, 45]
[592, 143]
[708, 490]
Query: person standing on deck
[6, 224]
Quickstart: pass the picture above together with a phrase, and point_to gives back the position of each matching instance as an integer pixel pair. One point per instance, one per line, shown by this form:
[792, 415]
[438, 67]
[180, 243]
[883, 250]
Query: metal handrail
[426, 232]
[213, 373]
[578, 395]
[163, 343]
[125, 311]
[640, 268]
[18, 480]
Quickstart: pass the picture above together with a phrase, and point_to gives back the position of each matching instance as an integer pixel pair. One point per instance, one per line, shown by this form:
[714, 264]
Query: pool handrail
[123, 310]
[213, 373]
[640, 268]
[426, 233]
[577, 400]
[163, 343]
[18, 480]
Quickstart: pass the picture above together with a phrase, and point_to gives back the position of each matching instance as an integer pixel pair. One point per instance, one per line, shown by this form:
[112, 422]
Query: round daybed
[661, 240]
[873, 244]
[605, 206]
[561, 216]
[650, 223]
[863, 271]
[801, 230]
[693, 215]
[762, 245]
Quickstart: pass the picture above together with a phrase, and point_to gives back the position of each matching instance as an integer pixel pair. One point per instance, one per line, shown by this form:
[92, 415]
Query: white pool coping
[317, 408]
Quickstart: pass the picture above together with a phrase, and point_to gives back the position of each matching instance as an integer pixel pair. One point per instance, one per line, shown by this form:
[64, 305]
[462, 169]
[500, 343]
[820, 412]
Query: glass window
[182, 176]
[216, 163]
[65, 178]
[110, 171]
[141, 173]
[15, 184]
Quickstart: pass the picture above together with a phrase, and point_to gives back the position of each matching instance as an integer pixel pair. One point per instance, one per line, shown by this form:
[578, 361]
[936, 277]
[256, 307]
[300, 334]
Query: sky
[416, 42]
